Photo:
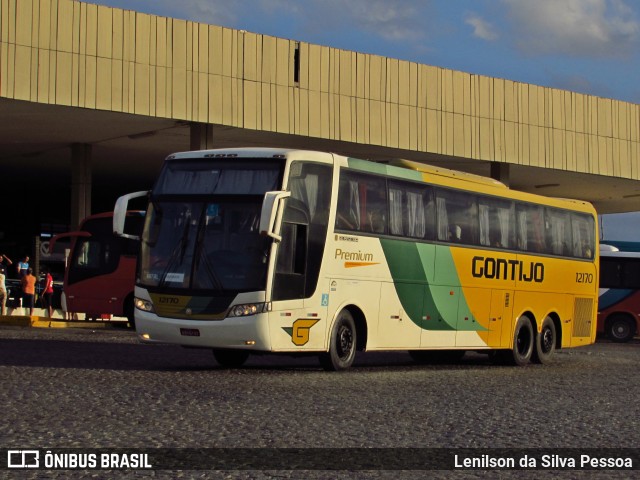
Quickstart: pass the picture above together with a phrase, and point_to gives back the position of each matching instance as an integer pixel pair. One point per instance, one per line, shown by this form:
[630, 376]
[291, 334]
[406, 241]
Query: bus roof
[445, 172]
[619, 254]
[241, 152]
[449, 177]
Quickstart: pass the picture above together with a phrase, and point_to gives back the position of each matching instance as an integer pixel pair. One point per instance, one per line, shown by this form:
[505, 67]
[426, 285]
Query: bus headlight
[247, 309]
[144, 305]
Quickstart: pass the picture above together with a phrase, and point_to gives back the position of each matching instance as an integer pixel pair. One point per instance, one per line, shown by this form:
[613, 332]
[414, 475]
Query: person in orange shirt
[47, 293]
[28, 290]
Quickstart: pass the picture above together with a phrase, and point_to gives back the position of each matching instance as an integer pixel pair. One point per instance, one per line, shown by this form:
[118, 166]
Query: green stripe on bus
[382, 169]
[411, 265]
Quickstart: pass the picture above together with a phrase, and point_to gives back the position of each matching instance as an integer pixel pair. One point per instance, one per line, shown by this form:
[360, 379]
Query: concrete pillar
[80, 183]
[500, 172]
[201, 136]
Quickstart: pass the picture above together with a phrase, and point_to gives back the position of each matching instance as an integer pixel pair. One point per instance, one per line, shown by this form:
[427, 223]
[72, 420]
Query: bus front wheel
[230, 358]
[523, 343]
[342, 344]
[128, 311]
[620, 328]
[545, 342]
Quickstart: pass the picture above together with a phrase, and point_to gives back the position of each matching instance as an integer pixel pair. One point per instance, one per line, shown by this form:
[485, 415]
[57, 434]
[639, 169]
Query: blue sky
[587, 46]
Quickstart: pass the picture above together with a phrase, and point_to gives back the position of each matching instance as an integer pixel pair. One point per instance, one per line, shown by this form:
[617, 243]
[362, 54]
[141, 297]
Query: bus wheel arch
[347, 335]
[361, 327]
[558, 324]
[620, 327]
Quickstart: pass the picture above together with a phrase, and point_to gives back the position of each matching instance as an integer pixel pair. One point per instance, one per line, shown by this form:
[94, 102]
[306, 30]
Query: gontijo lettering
[502, 269]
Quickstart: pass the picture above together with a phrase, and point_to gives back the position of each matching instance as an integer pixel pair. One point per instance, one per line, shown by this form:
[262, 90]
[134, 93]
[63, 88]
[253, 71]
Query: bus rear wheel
[620, 328]
[545, 342]
[523, 343]
[342, 344]
[230, 358]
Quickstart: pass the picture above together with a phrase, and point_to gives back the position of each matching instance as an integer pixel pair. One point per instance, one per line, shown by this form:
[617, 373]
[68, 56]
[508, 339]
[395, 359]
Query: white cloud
[575, 27]
[218, 12]
[399, 20]
[481, 28]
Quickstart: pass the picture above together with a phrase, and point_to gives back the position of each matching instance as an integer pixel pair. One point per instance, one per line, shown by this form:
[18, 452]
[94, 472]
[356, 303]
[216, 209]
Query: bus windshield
[201, 231]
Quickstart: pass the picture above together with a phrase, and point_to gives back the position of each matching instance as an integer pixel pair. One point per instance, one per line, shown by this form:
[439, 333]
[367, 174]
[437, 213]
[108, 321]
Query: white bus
[269, 250]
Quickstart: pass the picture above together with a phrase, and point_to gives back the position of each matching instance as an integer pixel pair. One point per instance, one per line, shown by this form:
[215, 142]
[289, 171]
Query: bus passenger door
[499, 318]
[289, 322]
[300, 306]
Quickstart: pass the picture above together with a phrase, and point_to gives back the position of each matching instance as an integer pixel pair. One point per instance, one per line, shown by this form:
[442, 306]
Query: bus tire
[620, 328]
[230, 358]
[545, 342]
[342, 344]
[128, 311]
[523, 342]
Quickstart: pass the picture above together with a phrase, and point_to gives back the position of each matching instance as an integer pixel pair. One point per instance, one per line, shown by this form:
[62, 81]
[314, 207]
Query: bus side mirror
[120, 214]
[269, 210]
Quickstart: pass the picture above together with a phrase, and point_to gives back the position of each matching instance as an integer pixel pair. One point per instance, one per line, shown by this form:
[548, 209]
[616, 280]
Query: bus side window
[558, 229]
[348, 211]
[583, 239]
[496, 222]
[411, 210]
[530, 228]
[610, 272]
[457, 217]
[362, 203]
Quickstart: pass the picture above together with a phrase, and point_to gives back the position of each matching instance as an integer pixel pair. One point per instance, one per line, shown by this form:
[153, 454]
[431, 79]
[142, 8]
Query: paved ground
[74, 388]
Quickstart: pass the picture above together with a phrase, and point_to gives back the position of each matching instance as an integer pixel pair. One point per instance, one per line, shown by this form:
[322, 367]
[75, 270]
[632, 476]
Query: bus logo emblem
[300, 330]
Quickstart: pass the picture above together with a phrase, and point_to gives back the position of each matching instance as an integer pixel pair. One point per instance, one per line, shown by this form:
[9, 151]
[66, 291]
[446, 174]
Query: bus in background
[619, 300]
[100, 272]
[270, 250]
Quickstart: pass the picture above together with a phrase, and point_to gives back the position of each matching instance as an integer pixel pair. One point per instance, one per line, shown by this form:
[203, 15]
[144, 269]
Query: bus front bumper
[250, 332]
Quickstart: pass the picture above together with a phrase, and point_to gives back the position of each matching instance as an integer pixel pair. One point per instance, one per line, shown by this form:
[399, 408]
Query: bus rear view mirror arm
[120, 213]
[269, 213]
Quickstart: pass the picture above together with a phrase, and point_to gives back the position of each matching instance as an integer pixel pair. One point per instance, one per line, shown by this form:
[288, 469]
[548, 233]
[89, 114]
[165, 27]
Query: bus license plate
[189, 332]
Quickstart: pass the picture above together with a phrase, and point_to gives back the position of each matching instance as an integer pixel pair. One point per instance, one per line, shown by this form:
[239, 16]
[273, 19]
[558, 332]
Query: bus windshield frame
[201, 233]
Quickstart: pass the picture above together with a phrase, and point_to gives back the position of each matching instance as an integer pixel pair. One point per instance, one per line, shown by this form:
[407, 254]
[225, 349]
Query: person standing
[3, 292]
[28, 282]
[23, 266]
[4, 263]
[47, 293]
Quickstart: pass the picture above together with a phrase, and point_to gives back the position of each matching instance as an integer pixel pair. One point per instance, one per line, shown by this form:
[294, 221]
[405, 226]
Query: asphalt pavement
[86, 388]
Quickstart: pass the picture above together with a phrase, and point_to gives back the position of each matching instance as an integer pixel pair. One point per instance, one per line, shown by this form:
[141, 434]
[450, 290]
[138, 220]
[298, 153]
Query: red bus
[619, 297]
[100, 274]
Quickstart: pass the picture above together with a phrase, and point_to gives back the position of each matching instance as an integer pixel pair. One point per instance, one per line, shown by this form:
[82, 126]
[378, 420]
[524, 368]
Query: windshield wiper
[180, 249]
[200, 257]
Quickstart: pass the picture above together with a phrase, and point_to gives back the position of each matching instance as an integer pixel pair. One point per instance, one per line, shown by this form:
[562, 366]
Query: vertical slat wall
[66, 52]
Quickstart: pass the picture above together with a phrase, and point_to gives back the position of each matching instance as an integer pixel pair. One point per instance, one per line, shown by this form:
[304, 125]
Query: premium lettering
[502, 269]
[353, 256]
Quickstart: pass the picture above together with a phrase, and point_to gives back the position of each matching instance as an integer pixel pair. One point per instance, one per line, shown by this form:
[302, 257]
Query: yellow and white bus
[269, 250]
